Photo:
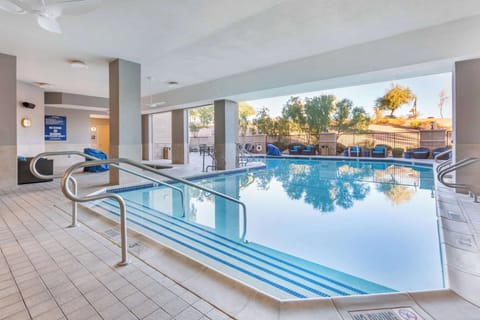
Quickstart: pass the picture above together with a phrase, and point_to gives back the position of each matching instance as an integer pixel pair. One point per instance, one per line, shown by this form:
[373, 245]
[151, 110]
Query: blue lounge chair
[99, 155]
[309, 150]
[296, 149]
[273, 150]
[379, 152]
[440, 150]
[355, 151]
[420, 153]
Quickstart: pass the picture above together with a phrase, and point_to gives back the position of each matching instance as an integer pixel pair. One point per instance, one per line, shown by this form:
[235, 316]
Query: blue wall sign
[55, 128]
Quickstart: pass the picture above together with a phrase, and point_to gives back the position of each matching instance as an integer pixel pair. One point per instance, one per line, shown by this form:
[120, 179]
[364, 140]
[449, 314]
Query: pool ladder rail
[67, 179]
[448, 166]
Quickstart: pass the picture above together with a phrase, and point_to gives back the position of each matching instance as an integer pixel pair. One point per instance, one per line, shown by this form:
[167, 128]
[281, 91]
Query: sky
[426, 88]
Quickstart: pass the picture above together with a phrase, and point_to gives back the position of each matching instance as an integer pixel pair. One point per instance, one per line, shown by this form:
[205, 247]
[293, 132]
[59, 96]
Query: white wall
[30, 141]
[78, 134]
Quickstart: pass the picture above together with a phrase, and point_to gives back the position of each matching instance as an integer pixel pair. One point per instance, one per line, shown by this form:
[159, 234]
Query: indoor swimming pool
[313, 228]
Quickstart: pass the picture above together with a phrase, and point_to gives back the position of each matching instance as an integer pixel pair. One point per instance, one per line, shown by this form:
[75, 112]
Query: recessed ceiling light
[156, 104]
[78, 64]
[43, 84]
[172, 84]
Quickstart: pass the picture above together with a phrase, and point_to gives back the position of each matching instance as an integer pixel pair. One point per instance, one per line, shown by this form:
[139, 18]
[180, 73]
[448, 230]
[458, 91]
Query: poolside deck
[49, 271]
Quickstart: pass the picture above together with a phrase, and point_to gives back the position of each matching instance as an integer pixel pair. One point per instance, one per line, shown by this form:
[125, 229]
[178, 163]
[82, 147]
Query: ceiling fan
[47, 12]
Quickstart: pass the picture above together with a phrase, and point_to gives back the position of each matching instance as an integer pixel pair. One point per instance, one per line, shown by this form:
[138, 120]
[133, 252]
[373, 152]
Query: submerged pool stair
[268, 270]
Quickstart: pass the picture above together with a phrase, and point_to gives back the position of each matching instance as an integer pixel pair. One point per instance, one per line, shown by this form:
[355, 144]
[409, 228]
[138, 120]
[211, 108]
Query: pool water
[373, 221]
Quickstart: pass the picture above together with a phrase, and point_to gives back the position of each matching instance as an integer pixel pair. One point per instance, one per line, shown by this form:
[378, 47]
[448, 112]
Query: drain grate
[112, 233]
[386, 314]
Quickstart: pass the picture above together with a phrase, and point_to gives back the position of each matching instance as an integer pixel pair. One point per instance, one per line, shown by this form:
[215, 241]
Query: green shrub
[397, 152]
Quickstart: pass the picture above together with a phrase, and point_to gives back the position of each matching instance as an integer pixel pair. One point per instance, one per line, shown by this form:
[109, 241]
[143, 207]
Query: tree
[318, 113]
[342, 116]
[202, 115]
[294, 111]
[394, 99]
[244, 112]
[194, 128]
[360, 120]
[348, 118]
[263, 122]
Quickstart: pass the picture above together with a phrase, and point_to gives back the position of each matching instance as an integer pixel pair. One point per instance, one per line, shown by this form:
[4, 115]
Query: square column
[125, 116]
[179, 136]
[466, 117]
[8, 121]
[147, 138]
[226, 133]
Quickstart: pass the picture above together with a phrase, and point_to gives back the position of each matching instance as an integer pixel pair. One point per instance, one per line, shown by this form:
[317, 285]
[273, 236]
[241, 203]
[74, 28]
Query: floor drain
[112, 233]
[386, 314]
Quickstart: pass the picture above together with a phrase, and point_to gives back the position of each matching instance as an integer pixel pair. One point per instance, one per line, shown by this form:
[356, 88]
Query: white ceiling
[197, 41]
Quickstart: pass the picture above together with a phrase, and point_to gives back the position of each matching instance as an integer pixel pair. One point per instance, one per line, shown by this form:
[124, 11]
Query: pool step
[267, 269]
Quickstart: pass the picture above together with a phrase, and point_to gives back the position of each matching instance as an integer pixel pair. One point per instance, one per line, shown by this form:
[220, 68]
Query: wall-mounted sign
[55, 128]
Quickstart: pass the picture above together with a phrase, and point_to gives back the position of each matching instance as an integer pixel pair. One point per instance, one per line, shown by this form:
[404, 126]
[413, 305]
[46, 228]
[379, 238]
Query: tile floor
[48, 271]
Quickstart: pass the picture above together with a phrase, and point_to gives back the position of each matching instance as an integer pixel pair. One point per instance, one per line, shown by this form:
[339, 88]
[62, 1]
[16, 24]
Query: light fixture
[43, 84]
[93, 129]
[172, 84]
[78, 64]
[26, 122]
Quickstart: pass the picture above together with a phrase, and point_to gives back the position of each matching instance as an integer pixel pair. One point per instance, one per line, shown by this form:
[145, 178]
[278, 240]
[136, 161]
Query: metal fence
[400, 139]
[405, 140]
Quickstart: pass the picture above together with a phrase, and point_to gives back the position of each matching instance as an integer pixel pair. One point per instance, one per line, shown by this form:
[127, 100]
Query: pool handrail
[441, 154]
[127, 161]
[34, 171]
[454, 166]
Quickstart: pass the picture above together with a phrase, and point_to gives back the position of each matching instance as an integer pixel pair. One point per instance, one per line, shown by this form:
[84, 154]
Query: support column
[125, 117]
[466, 116]
[147, 137]
[8, 121]
[179, 136]
[226, 133]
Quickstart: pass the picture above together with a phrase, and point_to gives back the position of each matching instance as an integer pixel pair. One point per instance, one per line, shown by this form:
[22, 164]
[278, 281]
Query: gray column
[125, 117]
[8, 121]
[226, 134]
[466, 118]
[179, 136]
[147, 137]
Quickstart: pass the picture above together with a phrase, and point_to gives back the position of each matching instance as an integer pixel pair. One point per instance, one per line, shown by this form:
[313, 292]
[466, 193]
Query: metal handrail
[184, 181]
[441, 154]
[457, 165]
[123, 213]
[121, 203]
[34, 171]
[443, 164]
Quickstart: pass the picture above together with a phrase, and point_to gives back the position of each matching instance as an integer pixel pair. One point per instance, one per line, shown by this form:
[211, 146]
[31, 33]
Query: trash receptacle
[165, 152]
[324, 150]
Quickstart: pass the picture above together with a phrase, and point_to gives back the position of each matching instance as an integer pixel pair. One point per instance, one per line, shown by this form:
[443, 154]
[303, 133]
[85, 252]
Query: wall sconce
[93, 129]
[26, 122]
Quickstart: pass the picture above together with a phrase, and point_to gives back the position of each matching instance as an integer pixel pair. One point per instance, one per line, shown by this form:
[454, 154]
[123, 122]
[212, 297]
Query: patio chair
[420, 153]
[440, 150]
[296, 149]
[355, 151]
[308, 150]
[272, 150]
[379, 152]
